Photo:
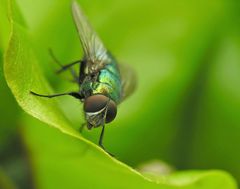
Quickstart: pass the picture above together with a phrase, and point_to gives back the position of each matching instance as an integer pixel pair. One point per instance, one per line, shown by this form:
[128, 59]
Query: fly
[103, 83]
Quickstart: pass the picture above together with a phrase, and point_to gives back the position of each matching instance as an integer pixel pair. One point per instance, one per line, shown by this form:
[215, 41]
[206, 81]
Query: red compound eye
[96, 103]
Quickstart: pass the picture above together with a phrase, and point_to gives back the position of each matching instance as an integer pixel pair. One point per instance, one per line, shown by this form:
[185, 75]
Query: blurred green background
[186, 109]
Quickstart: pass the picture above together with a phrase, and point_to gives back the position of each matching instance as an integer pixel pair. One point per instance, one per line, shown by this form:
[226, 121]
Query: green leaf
[67, 159]
[62, 161]
[5, 182]
[4, 24]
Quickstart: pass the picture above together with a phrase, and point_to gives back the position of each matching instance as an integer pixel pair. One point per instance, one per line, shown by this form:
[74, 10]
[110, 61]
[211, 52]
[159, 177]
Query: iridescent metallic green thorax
[107, 82]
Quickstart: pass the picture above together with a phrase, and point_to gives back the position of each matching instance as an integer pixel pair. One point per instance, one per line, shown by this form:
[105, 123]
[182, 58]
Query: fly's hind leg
[66, 67]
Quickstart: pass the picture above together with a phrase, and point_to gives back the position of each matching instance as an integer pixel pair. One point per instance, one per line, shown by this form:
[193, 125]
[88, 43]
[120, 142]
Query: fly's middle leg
[73, 94]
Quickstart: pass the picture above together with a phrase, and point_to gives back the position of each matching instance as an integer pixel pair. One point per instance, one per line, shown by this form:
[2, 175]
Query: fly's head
[99, 109]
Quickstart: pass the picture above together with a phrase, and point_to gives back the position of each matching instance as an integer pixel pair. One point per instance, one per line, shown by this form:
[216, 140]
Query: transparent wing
[129, 80]
[94, 51]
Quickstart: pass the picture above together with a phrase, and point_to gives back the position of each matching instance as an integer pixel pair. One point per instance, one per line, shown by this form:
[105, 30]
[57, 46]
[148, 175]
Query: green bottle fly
[103, 83]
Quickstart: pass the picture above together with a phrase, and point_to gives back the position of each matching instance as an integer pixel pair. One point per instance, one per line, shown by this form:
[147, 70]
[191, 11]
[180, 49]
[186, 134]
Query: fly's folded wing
[128, 79]
[95, 54]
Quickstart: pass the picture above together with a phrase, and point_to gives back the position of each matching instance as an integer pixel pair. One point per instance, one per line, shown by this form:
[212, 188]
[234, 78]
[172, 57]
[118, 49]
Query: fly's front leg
[100, 142]
[82, 127]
